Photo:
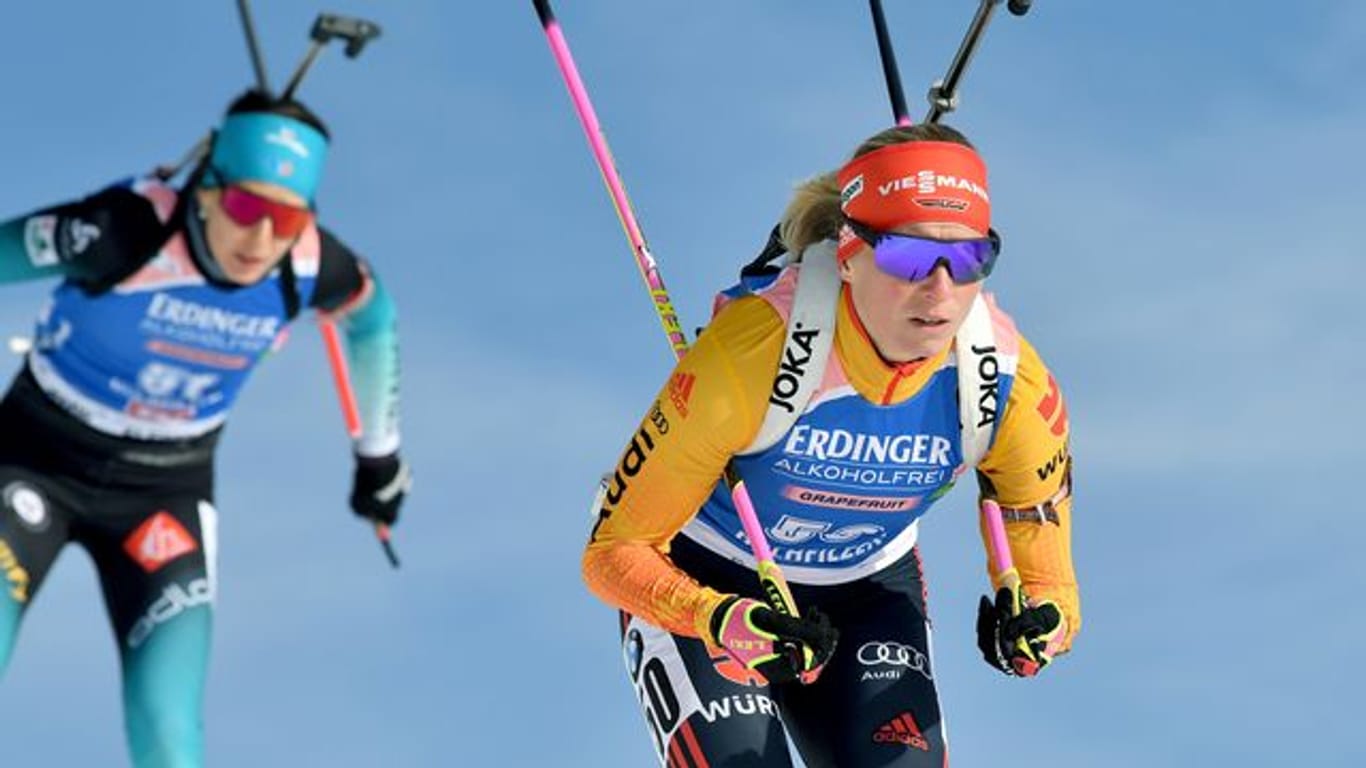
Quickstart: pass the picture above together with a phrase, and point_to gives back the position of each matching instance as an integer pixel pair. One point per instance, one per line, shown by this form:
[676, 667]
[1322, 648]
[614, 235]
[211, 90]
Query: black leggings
[144, 513]
[875, 703]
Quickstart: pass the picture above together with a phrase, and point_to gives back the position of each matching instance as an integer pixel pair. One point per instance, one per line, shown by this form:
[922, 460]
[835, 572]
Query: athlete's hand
[378, 487]
[778, 647]
[1017, 635]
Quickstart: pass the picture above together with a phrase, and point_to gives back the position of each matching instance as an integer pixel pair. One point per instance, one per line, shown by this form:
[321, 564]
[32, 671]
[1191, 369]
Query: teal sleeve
[21, 260]
[371, 333]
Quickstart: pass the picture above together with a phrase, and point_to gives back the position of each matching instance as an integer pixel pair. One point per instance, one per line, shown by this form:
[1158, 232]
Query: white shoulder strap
[978, 381]
[810, 336]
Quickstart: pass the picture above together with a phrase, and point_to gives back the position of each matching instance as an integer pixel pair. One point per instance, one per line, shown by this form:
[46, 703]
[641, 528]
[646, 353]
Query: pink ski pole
[771, 577]
[1000, 544]
[1010, 578]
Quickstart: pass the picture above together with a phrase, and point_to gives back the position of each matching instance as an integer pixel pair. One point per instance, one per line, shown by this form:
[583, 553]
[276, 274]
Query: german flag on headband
[911, 182]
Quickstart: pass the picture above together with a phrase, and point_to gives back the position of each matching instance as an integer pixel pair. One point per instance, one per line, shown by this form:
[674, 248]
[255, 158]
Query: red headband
[915, 181]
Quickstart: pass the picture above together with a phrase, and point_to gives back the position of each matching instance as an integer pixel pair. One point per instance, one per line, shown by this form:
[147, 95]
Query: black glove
[779, 647]
[378, 487]
[1016, 635]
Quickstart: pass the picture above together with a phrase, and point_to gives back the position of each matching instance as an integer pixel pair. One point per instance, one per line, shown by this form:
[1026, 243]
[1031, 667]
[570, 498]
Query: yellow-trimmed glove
[780, 648]
[1017, 635]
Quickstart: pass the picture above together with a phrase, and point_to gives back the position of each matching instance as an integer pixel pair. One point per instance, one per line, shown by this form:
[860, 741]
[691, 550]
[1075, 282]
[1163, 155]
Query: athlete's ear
[206, 197]
[846, 271]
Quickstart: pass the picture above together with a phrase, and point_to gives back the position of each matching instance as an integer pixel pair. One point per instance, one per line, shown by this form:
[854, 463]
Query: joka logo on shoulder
[159, 540]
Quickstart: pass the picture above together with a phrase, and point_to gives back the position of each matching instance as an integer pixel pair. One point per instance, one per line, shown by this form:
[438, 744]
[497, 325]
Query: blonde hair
[813, 214]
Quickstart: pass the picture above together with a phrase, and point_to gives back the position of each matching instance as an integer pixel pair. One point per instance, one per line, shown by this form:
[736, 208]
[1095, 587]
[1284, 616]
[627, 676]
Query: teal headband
[262, 146]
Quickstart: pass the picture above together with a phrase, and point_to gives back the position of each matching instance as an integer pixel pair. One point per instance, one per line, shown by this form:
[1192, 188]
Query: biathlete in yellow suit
[904, 231]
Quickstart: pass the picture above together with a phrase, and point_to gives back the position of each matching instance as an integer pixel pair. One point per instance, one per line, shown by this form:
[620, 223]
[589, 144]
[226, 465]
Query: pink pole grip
[996, 532]
[750, 520]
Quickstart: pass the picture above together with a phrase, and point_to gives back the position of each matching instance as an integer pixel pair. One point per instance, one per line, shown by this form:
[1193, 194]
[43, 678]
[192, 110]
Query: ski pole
[1005, 562]
[771, 578]
[645, 261]
[943, 94]
[383, 533]
[341, 376]
[1000, 544]
[889, 69]
[346, 394]
[356, 33]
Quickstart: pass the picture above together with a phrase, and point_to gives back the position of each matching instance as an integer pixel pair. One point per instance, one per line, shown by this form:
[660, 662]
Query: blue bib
[163, 354]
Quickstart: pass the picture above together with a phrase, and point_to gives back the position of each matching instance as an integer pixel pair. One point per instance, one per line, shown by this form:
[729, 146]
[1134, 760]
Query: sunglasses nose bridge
[262, 230]
[944, 262]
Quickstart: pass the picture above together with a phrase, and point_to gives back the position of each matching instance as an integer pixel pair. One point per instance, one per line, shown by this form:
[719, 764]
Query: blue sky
[1179, 186]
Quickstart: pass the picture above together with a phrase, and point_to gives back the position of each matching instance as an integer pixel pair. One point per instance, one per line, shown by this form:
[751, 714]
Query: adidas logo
[680, 389]
[901, 730]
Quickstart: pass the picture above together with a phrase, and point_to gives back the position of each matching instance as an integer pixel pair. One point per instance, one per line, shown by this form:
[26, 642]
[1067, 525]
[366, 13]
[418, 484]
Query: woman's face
[245, 253]
[910, 320]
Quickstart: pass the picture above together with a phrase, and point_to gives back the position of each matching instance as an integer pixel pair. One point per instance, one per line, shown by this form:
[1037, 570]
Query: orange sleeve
[710, 408]
[1026, 466]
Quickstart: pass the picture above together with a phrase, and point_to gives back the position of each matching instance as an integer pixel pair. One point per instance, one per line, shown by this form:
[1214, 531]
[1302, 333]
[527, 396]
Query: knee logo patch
[159, 540]
[28, 505]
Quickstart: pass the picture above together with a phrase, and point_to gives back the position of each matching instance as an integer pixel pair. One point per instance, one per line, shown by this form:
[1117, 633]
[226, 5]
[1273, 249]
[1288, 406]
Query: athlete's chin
[245, 271]
[922, 343]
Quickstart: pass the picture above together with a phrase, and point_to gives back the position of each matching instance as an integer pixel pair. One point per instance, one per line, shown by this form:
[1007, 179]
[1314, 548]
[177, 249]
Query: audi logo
[895, 654]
